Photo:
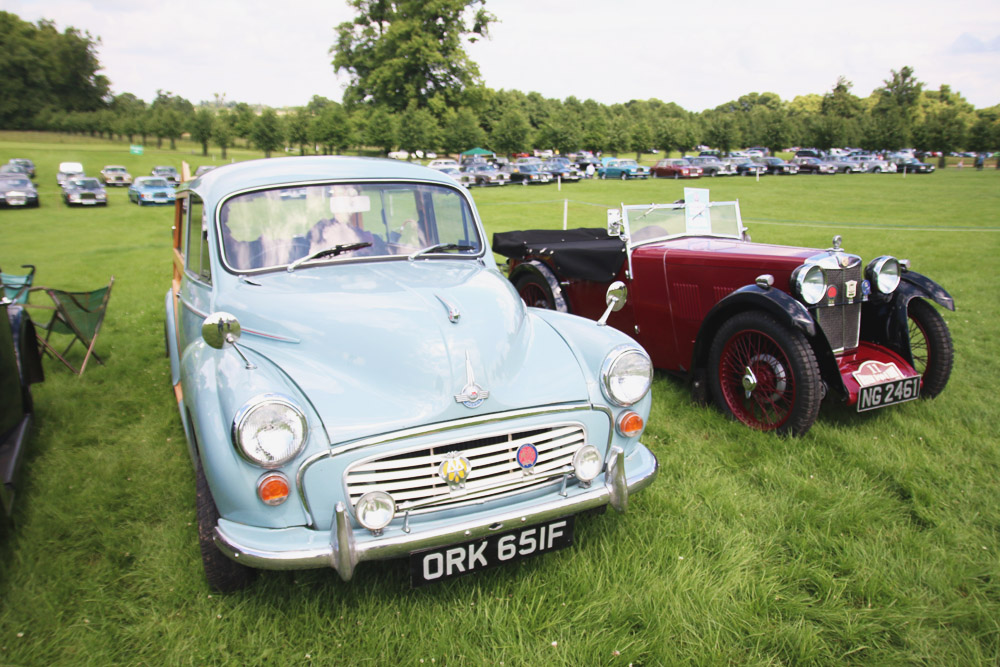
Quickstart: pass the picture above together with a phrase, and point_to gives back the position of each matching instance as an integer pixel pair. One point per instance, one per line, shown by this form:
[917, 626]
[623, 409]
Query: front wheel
[624, 176]
[222, 574]
[764, 374]
[931, 347]
[535, 291]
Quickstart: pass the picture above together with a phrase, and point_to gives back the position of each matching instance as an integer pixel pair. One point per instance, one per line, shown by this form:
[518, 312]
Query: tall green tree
[398, 52]
[222, 131]
[380, 130]
[418, 130]
[267, 132]
[510, 134]
[201, 128]
[331, 129]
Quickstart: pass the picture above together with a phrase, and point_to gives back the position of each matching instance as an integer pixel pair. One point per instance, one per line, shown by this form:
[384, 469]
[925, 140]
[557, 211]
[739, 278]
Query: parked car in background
[871, 164]
[712, 166]
[775, 165]
[529, 173]
[68, 170]
[13, 170]
[167, 172]
[443, 162]
[151, 190]
[562, 169]
[485, 174]
[675, 168]
[767, 331]
[20, 367]
[117, 175]
[913, 165]
[621, 169]
[17, 191]
[745, 166]
[84, 191]
[27, 164]
[357, 381]
[843, 165]
[813, 165]
[461, 177]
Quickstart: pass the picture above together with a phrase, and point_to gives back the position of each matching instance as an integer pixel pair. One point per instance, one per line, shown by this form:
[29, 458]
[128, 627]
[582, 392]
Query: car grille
[412, 478]
[87, 196]
[841, 321]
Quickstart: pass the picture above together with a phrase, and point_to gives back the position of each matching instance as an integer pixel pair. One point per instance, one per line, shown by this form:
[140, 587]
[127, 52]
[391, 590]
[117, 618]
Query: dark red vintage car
[767, 331]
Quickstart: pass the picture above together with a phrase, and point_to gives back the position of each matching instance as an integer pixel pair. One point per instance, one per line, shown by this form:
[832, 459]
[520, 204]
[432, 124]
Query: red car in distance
[675, 168]
[767, 331]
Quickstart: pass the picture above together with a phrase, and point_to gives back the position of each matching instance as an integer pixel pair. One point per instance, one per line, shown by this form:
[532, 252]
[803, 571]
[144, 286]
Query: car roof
[288, 170]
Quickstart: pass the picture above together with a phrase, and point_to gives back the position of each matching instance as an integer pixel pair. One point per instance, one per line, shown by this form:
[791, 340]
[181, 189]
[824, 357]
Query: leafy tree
[640, 138]
[222, 131]
[267, 132]
[418, 130]
[461, 131]
[297, 125]
[840, 102]
[896, 107]
[399, 52]
[331, 129]
[380, 131]
[984, 135]
[42, 68]
[242, 120]
[201, 128]
[722, 131]
[510, 134]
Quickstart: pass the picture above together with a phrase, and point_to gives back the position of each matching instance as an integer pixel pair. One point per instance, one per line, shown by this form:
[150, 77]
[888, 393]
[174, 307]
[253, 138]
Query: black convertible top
[584, 253]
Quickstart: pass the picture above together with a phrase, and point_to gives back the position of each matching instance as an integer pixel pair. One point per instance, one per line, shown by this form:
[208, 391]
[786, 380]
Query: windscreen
[663, 221]
[270, 229]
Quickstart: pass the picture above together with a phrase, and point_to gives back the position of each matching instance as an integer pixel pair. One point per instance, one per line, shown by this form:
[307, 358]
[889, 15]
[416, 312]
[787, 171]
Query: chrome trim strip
[252, 332]
[343, 553]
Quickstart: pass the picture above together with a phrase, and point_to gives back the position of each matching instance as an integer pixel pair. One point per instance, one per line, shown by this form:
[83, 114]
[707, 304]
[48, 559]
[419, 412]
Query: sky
[697, 54]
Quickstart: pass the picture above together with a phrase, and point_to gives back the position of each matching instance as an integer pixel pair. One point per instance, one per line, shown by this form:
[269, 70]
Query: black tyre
[222, 574]
[676, 175]
[764, 374]
[930, 344]
[535, 291]
[624, 176]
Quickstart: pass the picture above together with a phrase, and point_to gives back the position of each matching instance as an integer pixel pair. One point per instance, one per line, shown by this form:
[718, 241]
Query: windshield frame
[473, 221]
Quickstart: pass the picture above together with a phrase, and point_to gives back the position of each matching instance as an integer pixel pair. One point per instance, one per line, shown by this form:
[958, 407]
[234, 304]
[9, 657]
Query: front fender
[885, 321]
[542, 271]
[780, 305]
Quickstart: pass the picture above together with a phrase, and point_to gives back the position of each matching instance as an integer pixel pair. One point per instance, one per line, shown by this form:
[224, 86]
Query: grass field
[873, 539]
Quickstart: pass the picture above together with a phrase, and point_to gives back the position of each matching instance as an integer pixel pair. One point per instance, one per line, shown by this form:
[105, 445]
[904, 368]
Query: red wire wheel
[930, 346]
[764, 374]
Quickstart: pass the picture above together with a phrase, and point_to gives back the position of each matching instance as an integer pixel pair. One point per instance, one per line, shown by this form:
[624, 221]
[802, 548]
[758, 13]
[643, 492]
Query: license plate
[888, 393]
[454, 561]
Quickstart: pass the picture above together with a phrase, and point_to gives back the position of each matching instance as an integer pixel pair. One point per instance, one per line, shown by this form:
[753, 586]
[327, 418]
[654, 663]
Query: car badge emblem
[844, 260]
[472, 395]
[455, 469]
[875, 372]
[851, 289]
[527, 457]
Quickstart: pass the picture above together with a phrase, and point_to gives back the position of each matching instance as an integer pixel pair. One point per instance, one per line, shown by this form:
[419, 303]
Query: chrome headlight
[809, 283]
[269, 430]
[626, 375]
[883, 272]
[587, 463]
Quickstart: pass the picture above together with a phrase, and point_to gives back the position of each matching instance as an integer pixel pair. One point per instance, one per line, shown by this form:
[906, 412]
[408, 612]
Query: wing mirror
[221, 330]
[615, 298]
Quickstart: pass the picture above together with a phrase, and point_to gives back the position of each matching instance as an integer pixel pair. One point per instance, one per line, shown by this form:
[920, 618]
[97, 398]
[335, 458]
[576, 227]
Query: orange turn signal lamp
[630, 424]
[272, 488]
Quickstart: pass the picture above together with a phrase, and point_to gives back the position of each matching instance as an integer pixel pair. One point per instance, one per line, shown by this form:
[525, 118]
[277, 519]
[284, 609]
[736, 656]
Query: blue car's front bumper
[344, 546]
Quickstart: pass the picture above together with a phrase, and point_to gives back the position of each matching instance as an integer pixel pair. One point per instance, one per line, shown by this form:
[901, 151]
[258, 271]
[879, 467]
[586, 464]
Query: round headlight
[626, 375]
[883, 272]
[269, 430]
[375, 510]
[809, 283]
[587, 463]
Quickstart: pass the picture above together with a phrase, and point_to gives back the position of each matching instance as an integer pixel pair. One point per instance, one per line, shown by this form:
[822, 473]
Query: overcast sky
[698, 54]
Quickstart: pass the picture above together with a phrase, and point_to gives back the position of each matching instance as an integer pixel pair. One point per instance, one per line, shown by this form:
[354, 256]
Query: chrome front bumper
[304, 548]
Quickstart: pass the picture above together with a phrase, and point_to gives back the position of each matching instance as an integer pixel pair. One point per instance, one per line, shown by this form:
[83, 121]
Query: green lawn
[873, 539]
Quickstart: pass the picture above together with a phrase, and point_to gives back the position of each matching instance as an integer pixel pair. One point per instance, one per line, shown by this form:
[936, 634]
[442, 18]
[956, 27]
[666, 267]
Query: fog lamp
[587, 463]
[375, 510]
[272, 488]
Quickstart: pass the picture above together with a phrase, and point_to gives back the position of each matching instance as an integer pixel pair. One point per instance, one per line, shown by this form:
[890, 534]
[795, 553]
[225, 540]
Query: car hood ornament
[472, 395]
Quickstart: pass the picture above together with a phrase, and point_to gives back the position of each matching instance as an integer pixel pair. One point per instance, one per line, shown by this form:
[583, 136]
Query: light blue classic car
[151, 190]
[621, 169]
[358, 381]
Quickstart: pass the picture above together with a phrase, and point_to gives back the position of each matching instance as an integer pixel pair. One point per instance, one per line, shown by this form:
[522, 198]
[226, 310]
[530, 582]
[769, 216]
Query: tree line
[52, 84]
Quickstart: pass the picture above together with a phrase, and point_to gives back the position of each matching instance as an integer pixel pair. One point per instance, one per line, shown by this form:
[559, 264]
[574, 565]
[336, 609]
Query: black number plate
[453, 561]
[888, 393]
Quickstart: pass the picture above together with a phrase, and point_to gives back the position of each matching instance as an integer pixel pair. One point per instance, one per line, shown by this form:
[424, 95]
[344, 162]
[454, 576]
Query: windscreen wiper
[441, 247]
[328, 252]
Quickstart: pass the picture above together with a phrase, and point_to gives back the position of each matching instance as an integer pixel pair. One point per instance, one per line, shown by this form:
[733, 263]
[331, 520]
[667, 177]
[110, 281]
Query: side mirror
[220, 330]
[616, 297]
